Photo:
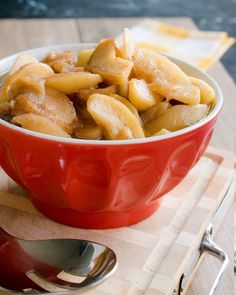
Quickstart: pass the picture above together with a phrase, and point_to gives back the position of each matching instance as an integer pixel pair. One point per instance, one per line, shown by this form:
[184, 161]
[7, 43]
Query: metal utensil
[57, 265]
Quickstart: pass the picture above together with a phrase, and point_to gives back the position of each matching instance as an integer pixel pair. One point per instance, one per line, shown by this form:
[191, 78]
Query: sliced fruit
[27, 85]
[140, 95]
[128, 46]
[162, 132]
[103, 61]
[128, 104]
[60, 66]
[117, 50]
[26, 78]
[187, 94]
[27, 103]
[113, 116]
[166, 69]
[156, 66]
[89, 132]
[144, 67]
[124, 133]
[154, 111]
[39, 124]
[59, 108]
[123, 89]
[207, 93]
[85, 93]
[61, 61]
[74, 81]
[115, 74]
[84, 56]
[176, 118]
[78, 69]
[166, 77]
[20, 61]
[54, 105]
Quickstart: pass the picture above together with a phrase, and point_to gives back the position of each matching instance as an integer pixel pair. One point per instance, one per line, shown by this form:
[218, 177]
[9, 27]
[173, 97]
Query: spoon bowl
[51, 266]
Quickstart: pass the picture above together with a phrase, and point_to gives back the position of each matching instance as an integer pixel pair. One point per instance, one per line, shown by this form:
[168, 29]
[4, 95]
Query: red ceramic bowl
[102, 184]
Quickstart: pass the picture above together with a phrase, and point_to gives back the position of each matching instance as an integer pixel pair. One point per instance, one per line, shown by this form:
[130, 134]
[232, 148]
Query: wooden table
[17, 35]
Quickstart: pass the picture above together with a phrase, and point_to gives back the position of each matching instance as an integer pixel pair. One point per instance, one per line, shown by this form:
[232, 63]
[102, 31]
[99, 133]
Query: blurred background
[214, 15]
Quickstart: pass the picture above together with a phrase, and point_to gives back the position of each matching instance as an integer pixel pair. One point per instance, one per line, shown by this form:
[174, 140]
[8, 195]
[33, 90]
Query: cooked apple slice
[176, 118]
[156, 66]
[67, 56]
[27, 103]
[28, 85]
[124, 133]
[144, 67]
[113, 116]
[162, 132]
[61, 61]
[114, 70]
[128, 104]
[59, 109]
[140, 95]
[74, 81]
[123, 89]
[54, 105]
[84, 56]
[207, 93]
[27, 77]
[20, 61]
[78, 69]
[154, 111]
[39, 124]
[85, 93]
[89, 132]
[187, 93]
[128, 46]
[166, 77]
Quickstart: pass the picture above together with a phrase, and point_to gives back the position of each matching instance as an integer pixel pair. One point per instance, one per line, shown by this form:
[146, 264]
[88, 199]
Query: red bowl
[102, 184]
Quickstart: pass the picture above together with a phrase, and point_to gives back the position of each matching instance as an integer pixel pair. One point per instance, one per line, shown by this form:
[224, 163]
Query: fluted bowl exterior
[101, 184]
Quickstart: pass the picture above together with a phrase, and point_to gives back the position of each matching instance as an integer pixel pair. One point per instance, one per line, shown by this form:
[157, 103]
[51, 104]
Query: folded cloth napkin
[200, 48]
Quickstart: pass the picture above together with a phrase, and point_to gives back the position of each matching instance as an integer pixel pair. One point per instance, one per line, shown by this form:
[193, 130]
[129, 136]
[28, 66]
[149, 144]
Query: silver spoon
[52, 266]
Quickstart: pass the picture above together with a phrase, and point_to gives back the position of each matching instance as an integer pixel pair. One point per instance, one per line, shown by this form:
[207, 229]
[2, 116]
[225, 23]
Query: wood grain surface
[19, 35]
[167, 243]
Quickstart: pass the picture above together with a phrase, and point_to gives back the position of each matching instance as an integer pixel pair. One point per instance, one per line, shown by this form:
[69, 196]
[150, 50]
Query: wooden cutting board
[152, 254]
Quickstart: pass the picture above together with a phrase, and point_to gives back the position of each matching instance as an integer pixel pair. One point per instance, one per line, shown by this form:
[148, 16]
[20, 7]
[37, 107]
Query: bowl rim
[77, 46]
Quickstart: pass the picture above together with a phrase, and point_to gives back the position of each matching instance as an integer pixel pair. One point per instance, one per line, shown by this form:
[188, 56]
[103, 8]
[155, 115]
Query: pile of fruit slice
[109, 92]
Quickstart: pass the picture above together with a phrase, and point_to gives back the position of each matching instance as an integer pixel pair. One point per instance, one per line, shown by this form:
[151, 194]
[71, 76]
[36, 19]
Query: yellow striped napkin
[200, 48]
